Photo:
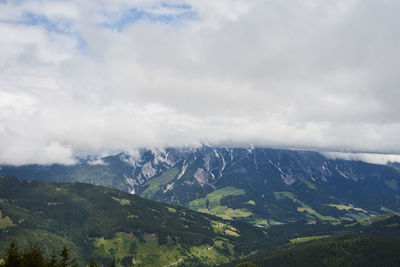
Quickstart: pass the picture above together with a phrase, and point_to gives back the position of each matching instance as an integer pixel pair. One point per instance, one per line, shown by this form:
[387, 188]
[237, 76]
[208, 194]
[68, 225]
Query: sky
[88, 77]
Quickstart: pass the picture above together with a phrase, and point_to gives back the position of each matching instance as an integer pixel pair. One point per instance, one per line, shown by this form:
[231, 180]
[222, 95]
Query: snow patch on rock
[184, 167]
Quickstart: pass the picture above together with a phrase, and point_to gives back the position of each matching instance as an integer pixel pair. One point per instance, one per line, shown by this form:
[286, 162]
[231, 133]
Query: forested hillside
[102, 224]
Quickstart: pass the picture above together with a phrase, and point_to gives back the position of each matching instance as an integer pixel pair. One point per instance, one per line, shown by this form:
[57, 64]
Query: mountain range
[259, 185]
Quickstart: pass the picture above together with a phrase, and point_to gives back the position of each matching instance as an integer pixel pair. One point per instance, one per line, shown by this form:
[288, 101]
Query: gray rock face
[207, 166]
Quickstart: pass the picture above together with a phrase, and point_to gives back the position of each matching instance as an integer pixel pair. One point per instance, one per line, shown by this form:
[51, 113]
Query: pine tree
[13, 258]
[92, 263]
[52, 260]
[66, 260]
[33, 257]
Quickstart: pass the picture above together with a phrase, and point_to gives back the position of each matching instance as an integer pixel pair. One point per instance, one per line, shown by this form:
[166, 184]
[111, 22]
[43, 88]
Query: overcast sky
[90, 77]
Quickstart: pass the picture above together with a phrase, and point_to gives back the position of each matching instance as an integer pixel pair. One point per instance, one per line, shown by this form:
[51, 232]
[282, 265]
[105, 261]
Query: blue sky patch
[181, 6]
[134, 15]
[59, 26]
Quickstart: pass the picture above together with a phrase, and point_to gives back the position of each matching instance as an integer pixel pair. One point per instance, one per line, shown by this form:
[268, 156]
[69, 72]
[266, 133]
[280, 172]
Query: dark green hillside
[374, 242]
[101, 223]
[349, 250]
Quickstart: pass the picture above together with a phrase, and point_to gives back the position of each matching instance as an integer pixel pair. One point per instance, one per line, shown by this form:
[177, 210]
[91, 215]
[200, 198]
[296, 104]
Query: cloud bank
[95, 77]
[366, 157]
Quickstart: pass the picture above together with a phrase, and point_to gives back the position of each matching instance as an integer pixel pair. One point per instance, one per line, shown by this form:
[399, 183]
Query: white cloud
[367, 157]
[295, 74]
[97, 162]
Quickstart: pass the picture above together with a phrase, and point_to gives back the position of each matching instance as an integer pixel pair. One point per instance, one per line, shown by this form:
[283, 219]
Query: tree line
[32, 256]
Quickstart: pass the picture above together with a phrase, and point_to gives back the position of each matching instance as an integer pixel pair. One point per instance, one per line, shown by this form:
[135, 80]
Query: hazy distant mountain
[262, 186]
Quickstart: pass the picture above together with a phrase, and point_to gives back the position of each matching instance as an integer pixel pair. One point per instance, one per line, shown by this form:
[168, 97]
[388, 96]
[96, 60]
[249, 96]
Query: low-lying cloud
[90, 77]
[366, 157]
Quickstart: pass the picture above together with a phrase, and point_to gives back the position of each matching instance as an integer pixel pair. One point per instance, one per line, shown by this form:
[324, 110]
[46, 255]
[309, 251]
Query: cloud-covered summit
[96, 77]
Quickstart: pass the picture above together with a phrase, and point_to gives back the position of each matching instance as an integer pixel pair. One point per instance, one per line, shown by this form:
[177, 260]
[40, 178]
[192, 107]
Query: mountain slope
[262, 186]
[102, 223]
[348, 250]
[374, 242]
